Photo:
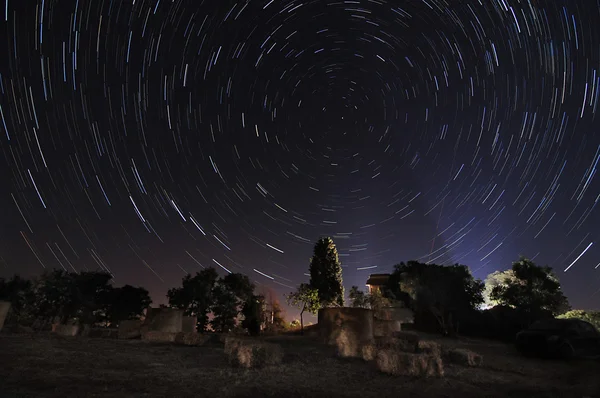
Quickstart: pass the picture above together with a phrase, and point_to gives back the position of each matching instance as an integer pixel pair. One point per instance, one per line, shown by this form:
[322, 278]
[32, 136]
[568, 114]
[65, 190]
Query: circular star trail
[153, 138]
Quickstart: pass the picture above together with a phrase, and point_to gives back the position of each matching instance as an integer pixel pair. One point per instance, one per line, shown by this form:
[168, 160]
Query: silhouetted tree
[19, 292]
[448, 293]
[326, 273]
[252, 311]
[307, 299]
[229, 295]
[126, 303]
[358, 298]
[91, 294]
[533, 289]
[195, 295]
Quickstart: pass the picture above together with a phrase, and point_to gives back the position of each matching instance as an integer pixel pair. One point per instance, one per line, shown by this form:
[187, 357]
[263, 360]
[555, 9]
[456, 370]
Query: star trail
[151, 138]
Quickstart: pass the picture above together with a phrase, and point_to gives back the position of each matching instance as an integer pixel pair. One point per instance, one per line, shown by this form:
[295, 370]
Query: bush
[408, 364]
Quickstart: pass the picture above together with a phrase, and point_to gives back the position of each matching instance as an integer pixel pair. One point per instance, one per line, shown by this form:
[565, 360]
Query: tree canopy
[358, 298]
[195, 295]
[592, 317]
[326, 273]
[446, 292]
[531, 288]
[306, 298]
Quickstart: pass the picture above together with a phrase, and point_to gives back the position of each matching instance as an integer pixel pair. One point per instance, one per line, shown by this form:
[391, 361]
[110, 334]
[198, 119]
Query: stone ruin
[346, 328]
[4, 308]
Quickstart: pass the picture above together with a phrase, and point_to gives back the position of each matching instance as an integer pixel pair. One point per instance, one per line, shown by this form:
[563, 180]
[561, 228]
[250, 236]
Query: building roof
[378, 279]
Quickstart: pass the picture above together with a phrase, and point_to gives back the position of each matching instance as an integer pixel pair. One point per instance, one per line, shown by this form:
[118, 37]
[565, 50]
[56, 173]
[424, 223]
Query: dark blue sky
[153, 138]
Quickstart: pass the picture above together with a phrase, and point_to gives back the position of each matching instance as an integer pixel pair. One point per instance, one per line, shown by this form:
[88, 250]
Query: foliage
[448, 293]
[497, 278]
[19, 292]
[253, 314]
[377, 301]
[358, 298]
[54, 296]
[592, 317]
[534, 289]
[306, 298]
[326, 273]
[195, 295]
[91, 292]
[274, 317]
[229, 295]
[224, 309]
[126, 303]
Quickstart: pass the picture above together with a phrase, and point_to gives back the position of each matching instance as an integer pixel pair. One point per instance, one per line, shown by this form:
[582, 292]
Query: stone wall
[401, 314]
[168, 320]
[357, 320]
[384, 328]
[4, 308]
[188, 324]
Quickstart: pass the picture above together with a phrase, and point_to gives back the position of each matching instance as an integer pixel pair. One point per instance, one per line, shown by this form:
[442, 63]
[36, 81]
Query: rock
[192, 339]
[369, 352]
[464, 357]
[347, 343]
[188, 324]
[131, 329]
[430, 347]
[408, 364]
[4, 308]
[163, 320]
[407, 340]
[385, 327]
[65, 330]
[159, 337]
[252, 354]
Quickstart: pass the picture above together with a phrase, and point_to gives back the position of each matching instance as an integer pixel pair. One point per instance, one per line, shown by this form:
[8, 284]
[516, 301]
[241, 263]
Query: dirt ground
[43, 365]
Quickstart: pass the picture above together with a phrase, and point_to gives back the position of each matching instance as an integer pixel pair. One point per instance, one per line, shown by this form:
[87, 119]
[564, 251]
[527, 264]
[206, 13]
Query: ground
[43, 365]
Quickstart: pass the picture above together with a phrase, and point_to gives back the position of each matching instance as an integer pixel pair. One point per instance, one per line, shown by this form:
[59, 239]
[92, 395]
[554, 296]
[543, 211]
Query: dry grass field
[43, 365]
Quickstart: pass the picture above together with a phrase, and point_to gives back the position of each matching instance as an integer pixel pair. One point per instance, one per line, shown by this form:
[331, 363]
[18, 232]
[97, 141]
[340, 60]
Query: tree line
[87, 298]
[444, 299]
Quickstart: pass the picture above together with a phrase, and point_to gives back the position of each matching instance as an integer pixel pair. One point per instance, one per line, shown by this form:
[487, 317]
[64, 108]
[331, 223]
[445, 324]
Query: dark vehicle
[560, 338]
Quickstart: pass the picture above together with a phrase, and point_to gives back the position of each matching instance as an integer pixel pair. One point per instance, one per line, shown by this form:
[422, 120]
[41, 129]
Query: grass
[44, 365]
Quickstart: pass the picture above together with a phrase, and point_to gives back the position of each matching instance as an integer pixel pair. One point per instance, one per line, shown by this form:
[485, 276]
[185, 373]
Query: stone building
[377, 281]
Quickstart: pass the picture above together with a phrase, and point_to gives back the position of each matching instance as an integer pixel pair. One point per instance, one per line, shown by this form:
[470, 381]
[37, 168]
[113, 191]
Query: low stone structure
[192, 339]
[400, 363]
[130, 329]
[357, 320]
[383, 328]
[167, 320]
[396, 313]
[154, 336]
[188, 324]
[4, 308]
[65, 330]
[464, 357]
[249, 353]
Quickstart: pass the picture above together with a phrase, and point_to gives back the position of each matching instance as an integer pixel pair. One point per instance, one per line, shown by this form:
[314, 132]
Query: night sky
[154, 138]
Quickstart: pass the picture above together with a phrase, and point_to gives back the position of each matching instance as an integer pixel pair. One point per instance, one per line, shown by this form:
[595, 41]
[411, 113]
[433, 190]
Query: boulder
[408, 364]
[169, 320]
[385, 327]
[131, 329]
[188, 324]
[192, 339]
[65, 330]
[429, 347]
[4, 308]
[248, 353]
[408, 340]
[153, 336]
[461, 356]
